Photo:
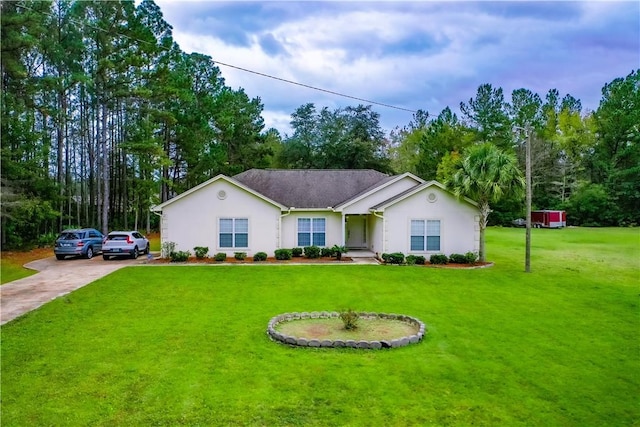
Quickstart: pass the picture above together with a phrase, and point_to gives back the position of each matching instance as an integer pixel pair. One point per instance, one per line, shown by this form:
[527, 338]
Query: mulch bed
[452, 265]
[303, 260]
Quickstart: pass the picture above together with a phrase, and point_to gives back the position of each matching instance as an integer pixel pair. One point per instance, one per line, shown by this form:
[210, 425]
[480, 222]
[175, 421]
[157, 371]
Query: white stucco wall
[459, 231]
[376, 234]
[193, 220]
[333, 223]
[362, 206]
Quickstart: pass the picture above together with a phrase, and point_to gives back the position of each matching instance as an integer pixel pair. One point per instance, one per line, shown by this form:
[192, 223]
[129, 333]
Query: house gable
[410, 192]
[361, 203]
[161, 206]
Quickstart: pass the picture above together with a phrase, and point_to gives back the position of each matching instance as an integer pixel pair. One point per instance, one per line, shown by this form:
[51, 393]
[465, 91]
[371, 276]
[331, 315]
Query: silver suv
[124, 243]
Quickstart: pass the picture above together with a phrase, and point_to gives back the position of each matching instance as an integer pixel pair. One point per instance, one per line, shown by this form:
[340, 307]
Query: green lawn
[162, 345]
[10, 272]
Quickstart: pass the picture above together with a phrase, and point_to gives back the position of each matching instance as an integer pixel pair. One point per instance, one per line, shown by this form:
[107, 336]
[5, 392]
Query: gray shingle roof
[311, 188]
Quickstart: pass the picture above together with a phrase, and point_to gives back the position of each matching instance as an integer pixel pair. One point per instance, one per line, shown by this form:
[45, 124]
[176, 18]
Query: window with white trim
[233, 233]
[425, 235]
[311, 232]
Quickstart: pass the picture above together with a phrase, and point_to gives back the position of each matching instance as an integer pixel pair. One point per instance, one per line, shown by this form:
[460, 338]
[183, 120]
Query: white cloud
[414, 55]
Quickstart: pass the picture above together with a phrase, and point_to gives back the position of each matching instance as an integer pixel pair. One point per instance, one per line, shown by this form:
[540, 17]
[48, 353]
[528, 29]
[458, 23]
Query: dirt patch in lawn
[333, 329]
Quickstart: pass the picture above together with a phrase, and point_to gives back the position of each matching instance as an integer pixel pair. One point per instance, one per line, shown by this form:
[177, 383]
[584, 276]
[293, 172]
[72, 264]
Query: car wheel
[89, 254]
[134, 255]
[146, 251]
[105, 257]
[60, 257]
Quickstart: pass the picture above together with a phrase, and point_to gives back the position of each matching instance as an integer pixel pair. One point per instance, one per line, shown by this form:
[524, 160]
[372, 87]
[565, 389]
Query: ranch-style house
[264, 210]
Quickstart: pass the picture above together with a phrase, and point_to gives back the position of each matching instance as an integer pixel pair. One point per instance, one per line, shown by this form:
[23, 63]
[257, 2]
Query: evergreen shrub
[471, 257]
[458, 259]
[179, 256]
[260, 256]
[283, 254]
[415, 259]
[438, 259]
[201, 251]
[393, 258]
[326, 252]
[312, 252]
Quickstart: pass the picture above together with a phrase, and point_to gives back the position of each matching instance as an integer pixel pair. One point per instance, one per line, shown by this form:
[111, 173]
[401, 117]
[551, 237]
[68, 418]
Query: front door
[356, 231]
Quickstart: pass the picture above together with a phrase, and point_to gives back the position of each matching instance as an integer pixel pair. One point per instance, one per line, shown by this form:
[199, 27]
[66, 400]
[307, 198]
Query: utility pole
[527, 257]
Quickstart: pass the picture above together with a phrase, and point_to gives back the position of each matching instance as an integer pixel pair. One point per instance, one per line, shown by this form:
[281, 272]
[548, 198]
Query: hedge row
[399, 258]
[202, 252]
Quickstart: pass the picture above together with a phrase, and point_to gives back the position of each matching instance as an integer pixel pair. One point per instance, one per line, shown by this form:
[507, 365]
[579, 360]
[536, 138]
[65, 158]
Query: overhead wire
[381, 104]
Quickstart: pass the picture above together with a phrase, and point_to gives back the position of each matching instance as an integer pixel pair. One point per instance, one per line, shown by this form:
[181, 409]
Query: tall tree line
[585, 162]
[103, 116]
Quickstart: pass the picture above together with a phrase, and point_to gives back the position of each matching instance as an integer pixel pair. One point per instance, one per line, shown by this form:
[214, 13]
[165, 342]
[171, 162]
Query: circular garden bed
[326, 329]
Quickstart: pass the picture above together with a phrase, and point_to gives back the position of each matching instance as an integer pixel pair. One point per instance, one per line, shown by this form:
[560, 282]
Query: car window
[93, 234]
[138, 236]
[117, 237]
[70, 236]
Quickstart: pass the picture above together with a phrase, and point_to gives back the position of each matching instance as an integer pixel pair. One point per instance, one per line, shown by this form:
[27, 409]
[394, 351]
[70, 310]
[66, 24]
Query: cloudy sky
[412, 55]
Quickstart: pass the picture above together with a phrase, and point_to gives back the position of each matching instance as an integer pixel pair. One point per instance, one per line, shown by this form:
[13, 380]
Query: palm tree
[486, 174]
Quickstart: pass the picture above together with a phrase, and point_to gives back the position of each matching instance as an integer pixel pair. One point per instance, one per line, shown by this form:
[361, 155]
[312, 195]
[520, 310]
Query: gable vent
[222, 194]
[432, 197]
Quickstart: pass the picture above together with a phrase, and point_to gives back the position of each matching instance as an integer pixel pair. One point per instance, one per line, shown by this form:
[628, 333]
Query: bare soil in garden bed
[333, 329]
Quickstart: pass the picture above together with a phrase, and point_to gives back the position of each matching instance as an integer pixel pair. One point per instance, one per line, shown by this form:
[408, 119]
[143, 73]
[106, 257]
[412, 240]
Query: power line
[237, 67]
[314, 87]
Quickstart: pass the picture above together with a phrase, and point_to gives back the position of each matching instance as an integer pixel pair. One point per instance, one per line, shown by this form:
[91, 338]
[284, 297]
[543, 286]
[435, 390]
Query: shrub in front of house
[471, 257]
[393, 258]
[201, 251]
[312, 252]
[440, 259]
[179, 256]
[337, 251]
[260, 256]
[326, 252]
[240, 256]
[415, 259]
[457, 259]
[283, 254]
[296, 252]
[168, 248]
[220, 256]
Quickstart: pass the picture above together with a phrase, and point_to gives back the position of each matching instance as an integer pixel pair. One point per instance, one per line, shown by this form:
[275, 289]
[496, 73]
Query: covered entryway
[356, 231]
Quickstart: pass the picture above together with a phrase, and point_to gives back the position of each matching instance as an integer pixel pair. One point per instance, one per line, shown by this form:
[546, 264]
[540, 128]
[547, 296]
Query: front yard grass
[12, 263]
[186, 345]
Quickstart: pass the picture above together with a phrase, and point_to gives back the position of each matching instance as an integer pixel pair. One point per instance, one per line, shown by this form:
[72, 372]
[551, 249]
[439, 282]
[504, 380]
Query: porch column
[344, 230]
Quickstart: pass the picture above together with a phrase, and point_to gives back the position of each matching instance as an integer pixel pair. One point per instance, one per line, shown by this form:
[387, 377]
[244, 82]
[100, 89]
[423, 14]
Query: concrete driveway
[54, 279]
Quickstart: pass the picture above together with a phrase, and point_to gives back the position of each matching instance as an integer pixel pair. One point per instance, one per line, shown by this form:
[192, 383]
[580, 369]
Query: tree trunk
[485, 210]
[105, 171]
